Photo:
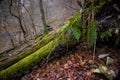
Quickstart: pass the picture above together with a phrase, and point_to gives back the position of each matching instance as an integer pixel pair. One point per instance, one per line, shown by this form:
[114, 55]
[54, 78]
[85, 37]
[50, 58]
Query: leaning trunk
[62, 36]
[40, 43]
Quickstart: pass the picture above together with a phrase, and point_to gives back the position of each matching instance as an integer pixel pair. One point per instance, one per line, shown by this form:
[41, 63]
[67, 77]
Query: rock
[103, 56]
[109, 61]
[96, 71]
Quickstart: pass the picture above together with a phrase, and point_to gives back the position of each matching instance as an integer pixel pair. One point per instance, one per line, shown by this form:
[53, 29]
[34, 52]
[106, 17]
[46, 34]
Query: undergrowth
[86, 27]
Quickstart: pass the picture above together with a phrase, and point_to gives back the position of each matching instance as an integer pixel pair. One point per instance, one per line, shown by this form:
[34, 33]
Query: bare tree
[43, 21]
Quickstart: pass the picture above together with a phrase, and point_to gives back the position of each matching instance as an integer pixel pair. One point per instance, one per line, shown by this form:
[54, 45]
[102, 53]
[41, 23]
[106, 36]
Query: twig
[94, 53]
[102, 21]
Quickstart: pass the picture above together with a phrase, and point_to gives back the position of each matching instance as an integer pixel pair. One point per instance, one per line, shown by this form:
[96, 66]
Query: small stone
[96, 71]
[10, 54]
[109, 61]
[103, 56]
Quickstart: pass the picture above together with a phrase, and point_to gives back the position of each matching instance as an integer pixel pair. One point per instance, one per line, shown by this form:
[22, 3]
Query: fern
[83, 25]
[76, 32]
[92, 33]
[75, 26]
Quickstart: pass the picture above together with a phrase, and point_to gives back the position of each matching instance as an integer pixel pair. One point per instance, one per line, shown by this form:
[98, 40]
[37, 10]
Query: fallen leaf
[66, 66]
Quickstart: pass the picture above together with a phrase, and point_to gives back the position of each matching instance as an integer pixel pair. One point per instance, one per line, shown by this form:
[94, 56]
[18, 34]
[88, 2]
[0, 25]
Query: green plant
[86, 27]
[75, 27]
[92, 34]
[106, 34]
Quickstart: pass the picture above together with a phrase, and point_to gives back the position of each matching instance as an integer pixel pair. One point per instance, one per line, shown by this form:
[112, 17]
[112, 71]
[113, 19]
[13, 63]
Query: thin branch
[102, 21]
[94, 53]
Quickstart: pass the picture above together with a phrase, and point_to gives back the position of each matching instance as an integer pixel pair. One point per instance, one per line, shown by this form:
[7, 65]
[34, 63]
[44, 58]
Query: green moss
[35, 57]
[29, 61]
[41, 50]
[45, 40]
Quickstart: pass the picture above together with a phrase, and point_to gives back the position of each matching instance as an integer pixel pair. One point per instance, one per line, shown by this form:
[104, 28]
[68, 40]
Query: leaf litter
[76, 65]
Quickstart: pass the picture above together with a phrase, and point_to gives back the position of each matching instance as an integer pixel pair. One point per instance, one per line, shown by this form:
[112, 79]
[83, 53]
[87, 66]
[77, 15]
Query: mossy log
[63, 36]
[29, 61]
[40, 43]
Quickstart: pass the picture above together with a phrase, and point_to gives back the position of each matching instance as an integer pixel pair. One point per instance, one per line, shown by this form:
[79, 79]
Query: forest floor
[76, 64]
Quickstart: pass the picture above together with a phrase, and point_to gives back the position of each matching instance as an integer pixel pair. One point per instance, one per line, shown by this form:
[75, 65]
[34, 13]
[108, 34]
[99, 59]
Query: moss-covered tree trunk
[40, 43]
[62, 36]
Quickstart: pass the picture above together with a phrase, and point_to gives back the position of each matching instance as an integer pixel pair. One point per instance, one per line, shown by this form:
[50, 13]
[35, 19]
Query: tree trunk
[40, 43]
[62, 36]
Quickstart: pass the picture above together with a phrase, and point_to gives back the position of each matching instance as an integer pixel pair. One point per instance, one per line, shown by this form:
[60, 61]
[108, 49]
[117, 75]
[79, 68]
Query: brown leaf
[90, 61]
[66, 66]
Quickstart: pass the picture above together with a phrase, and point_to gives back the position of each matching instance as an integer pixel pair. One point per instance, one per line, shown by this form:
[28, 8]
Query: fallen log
[63, 36]
[45, 40]
[40, 43]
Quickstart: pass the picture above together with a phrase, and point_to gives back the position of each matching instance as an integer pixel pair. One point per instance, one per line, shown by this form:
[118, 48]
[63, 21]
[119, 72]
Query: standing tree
[43, 21]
